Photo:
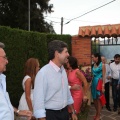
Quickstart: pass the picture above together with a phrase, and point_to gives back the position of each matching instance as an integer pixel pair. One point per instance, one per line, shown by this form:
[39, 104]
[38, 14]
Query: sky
[69, 9]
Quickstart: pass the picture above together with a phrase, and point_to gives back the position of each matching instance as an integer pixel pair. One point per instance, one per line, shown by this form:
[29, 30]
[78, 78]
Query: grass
[84, 115]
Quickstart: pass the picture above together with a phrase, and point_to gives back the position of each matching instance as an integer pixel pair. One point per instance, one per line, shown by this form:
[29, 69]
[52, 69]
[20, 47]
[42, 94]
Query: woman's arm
[83, 79]
[25, 113]
[74, 87]
[28, 85]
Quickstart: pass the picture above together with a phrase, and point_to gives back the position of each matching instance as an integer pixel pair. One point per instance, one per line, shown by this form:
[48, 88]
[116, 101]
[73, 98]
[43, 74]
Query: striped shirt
[51, 90]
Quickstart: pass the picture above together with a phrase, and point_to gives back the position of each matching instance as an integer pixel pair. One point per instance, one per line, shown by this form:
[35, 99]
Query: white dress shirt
[115, 70]
[51, 90]
[6, 109]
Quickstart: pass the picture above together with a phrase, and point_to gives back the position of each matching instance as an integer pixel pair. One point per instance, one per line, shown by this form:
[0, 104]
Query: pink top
[76, 94]
[72, 78]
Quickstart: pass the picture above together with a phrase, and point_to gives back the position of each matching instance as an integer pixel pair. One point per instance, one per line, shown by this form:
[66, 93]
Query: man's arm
[74, 116]
[4, 108]
[38, 96]
[70, 105]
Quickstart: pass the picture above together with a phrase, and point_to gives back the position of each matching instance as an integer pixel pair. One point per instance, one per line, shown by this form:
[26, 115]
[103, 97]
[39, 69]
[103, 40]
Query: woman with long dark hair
[75, 77]
[98, 70]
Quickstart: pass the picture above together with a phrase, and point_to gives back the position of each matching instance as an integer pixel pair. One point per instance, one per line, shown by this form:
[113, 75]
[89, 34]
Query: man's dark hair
[116, 56]
[73, 62]
[55, 45]
[2, 45]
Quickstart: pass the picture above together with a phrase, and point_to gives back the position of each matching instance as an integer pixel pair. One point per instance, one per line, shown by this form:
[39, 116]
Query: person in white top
[107, 83]
[115, 67]
[6, 108]
[30, 70]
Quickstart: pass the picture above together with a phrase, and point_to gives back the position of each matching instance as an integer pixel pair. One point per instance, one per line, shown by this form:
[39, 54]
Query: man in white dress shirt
[51, 93]
[115, 67]
[6, 109]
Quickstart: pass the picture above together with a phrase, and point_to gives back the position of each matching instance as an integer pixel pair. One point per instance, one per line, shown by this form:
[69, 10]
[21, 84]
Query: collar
[2, 76]
[57, 69]
[116, 64]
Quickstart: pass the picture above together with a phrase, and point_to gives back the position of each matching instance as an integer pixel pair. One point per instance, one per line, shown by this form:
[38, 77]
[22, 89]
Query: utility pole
[28, 15]
[61, 25]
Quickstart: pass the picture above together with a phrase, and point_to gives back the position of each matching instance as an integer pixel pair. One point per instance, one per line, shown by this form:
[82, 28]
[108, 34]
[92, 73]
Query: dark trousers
[107, 95]
[57, 114]
[115, 93]
[119, 96]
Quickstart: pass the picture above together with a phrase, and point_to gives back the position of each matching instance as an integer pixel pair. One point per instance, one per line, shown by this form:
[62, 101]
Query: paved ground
[105, 114]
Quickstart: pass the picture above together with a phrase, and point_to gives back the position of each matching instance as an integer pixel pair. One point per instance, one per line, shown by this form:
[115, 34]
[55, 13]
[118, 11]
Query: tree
[14, 13]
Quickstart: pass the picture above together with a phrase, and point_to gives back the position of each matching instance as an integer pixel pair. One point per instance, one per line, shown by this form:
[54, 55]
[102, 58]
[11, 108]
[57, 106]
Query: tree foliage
[14, 13]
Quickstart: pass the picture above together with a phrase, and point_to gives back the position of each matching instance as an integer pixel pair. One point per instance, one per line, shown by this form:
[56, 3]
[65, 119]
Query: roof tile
[100, 31]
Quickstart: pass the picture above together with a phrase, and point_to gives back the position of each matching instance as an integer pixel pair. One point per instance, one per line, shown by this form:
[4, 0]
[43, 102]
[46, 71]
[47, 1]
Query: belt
[65, 108]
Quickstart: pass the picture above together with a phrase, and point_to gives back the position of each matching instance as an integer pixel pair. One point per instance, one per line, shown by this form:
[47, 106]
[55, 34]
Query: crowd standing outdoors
[58, 89]
[111, 76]
[6, 109]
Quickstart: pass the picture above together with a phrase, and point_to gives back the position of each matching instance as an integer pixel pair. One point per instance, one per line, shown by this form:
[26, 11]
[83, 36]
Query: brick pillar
[81, 49]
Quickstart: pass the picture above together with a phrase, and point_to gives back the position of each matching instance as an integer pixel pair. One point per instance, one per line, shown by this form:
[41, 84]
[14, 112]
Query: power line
[79, 16]
[90, 11]
[70, 19]
[64, 17]
[52, 17]
[53, 21]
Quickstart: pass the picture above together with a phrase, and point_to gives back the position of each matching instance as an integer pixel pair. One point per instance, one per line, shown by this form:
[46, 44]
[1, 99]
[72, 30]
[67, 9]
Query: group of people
[46, 93]
[56, 91]
[110, 74]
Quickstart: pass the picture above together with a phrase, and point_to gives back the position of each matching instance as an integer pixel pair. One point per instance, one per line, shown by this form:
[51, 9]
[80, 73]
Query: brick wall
[81, 49]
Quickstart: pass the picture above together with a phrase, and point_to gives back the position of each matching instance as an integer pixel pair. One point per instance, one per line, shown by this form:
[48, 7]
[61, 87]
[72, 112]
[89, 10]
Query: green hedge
[19, 46]
[65, 38]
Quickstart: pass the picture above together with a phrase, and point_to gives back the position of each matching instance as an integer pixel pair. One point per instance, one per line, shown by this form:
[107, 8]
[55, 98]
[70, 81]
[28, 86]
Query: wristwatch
[17, 112]
[74, 112]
